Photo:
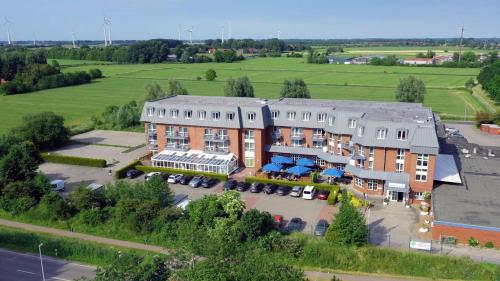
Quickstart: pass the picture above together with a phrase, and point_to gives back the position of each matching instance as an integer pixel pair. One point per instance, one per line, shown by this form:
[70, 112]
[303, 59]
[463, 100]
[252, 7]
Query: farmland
[445, 86]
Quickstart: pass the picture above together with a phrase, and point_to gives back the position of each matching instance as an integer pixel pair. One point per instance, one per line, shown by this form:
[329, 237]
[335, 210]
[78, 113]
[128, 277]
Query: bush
[148, 169]
[332, 197]
[489, 244]
[473, 242]
[320, 186]
[121, 173]
[95, 73]
[73, 160]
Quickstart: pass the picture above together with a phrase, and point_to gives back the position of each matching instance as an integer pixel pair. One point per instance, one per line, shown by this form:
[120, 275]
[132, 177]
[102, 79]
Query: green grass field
[445, 86]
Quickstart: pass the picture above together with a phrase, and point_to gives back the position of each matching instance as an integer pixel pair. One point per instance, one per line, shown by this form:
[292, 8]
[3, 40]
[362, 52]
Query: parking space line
[24, 271]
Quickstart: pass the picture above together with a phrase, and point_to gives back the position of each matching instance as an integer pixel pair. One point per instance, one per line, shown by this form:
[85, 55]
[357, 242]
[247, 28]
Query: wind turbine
[104, 23]
[460, 45]
[73, 39]
[109, 31]
[34, 39]
[222, 35]
[7, 23]
[190, 34]
[279, 34]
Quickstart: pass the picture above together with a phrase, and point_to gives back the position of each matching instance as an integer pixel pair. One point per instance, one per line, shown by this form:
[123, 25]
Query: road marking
[62, 279]
[29, 272]
[61, 261]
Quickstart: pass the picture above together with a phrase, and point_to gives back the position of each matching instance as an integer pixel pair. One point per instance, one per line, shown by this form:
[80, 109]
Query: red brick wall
[463, 234]
[418, 185]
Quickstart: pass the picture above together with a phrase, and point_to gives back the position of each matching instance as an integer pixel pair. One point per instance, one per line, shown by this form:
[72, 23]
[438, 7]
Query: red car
[323, 194]
[278, 221]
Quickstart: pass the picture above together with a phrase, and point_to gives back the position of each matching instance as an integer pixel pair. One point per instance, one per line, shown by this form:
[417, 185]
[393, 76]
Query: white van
[309, 192]
[57, 185]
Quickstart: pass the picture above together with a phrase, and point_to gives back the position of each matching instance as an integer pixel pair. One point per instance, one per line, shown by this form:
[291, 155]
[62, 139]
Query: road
[15, 266]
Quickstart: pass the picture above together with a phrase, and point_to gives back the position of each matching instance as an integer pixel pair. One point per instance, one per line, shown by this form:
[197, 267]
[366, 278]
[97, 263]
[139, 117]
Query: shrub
[148, 169]
[94, 216]
[332, 197]
[473, 242]
[121, 173]
[321, 186]
[489, 244]
[73, 160]
[95, 73]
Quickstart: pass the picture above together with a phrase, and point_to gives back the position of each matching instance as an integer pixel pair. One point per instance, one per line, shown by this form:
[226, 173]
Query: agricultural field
[445, 86]
[400, 51]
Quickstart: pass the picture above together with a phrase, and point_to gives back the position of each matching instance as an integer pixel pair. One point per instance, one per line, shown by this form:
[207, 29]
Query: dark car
[185, 180]
[208, 182]
[323, 194]
[321, 228]
[133, 173]
[163, 176]
[230, 184]
[241, 186]
[196, 181]
[283, 190]
[270, 188]
[295, 224]
[256, 187]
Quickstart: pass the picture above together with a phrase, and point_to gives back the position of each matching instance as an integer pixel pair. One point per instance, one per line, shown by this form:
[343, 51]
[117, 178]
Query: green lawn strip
[73, 160]
[99, 144]
[134, 148]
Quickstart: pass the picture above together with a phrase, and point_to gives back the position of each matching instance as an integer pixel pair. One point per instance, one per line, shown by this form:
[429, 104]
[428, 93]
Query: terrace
[195, 160]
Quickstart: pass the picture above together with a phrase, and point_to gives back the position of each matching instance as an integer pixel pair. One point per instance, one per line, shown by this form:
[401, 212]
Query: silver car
[296, 191]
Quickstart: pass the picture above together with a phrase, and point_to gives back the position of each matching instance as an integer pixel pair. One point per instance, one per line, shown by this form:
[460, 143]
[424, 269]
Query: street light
[41, 261]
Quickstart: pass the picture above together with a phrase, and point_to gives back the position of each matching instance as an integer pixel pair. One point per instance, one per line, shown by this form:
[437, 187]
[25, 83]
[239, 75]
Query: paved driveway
[474, 135]
[111, 138]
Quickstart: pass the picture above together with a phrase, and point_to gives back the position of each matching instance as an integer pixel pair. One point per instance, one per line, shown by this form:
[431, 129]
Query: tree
[210, 75]
[232, 204]
[295, 89]
[241, 87]
[175, 88]
[410, 89]
[20, 163]
[133, 267]
[84, 198]
[204, 211]
[470, 83]
[153, 92]
[45, 130]
[483, 117]
[255, 223]
[349, 225]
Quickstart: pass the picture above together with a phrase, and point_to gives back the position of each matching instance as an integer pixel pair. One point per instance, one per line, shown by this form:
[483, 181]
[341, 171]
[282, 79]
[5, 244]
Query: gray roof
[474, 204]
[379, 175]
[418, 120]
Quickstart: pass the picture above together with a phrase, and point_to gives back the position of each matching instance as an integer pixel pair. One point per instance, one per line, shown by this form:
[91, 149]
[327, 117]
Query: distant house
[212, 50]
[365, 59]
[172, 58]
[253, 51]
[419, 61]
[338, 60]
[239, 52]
[440, 59]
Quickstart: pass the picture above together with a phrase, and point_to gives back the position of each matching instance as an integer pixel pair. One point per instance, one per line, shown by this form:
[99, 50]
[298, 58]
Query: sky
[307, 19]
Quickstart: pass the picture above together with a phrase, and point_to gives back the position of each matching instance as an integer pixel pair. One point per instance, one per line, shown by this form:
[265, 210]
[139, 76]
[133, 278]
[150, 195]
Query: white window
[249, 134]
[306, 116]
[358, 182]
[418, 195]
[251, 116]
[361, 150]
[400, 167]
[249, 161]
[381, 133]
[402, 134]
[183, 131]
[352, 123]
[188, 114]
[330, 121]
[222, 133]
[318, 144]
[321, 117]
[161, 113]
[202, 115]
[170, 131]
[152, 127]
[216, 115]
[370, 165]
[275, 114]
[372, 184]
[371, 153]
[361, 131]
[209, 133]
[296, 143]
[422, 167]
[249, 146]
[401, 154]
[230, 116]
[297, 132]
[290, 115]
[174, 113]
[400, 160]
[151, 111]
[319, 132]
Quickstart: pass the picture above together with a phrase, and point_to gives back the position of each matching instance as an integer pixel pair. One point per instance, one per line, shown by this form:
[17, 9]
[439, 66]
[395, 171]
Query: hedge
[121, 173]
[332, 197]
[321, 186]
[148, 169]
[73, 160]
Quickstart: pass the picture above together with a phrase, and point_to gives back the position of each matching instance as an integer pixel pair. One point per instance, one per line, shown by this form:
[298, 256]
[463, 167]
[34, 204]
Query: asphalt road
[15, 266]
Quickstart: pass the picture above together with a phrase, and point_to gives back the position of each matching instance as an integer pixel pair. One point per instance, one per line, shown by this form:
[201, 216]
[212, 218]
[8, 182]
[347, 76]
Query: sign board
[420, 245]
[397, 185]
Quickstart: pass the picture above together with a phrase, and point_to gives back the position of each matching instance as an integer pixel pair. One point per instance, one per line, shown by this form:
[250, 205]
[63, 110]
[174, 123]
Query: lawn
[123, 83]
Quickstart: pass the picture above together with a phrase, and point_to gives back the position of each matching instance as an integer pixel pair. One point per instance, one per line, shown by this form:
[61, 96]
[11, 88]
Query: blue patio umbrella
[281, 160]
[272, 167]
[331, 172]
[298, 170]
[305, 162]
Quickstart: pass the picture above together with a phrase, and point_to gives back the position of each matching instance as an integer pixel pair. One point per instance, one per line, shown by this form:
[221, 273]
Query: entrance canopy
[196, 160]
[446, 169]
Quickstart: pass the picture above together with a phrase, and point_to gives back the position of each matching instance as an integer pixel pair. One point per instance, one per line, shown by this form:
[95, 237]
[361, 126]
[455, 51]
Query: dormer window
[151, 111]
[202, 115]
[321, 117]
[402, 134]
[275, 114]
[188, 114]
[330, 120]
[306, 116]
[216, 115]
[161, 113]
[174, 113]
[291, 115]
[251, 116]
[381, 133]
[352, 123]
[230, 116]
[361, 131]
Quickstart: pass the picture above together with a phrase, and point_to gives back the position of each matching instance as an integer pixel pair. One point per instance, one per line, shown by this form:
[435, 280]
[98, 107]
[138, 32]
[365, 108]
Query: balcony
[297, 136]
[318, 137]
[177, 147]
[216, 150]
[151, 131]
[215, 137]
[176, 135]
[153, 145]
[276, 135]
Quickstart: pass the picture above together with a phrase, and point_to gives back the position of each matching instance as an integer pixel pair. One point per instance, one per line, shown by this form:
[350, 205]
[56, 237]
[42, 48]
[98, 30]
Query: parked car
[208, 182]
[278, 221]
[241, 186]
[133, 173]
[309, 192]
[270, 188]
[296, 191]
[321, 228]
[283, 190]
[175, 178]
[163, 176]
[230, 184]
[185, 180]
[95, 187]
[323, 194]
[57, 185]
[196, 181]
[256, 187]
[295, 224]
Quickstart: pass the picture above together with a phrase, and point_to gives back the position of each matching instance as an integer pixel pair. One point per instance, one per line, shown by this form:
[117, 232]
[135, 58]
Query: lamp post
[41, 261]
